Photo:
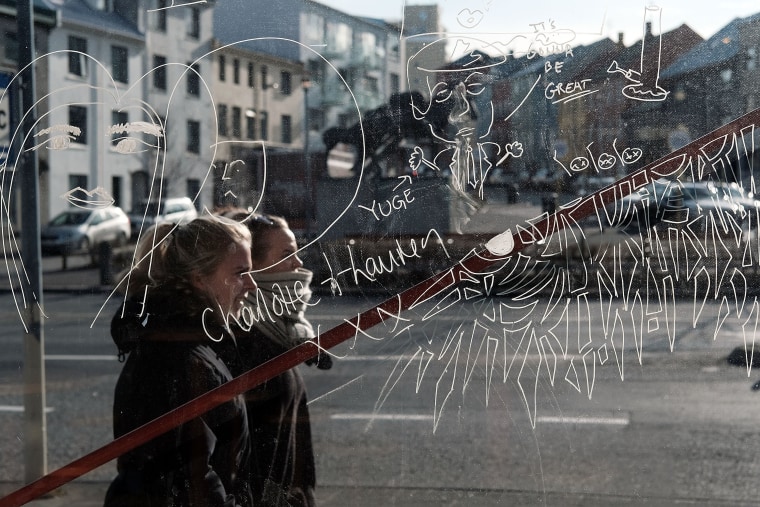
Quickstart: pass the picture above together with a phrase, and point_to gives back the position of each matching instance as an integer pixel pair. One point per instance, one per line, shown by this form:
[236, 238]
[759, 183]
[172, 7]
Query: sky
[590, 19]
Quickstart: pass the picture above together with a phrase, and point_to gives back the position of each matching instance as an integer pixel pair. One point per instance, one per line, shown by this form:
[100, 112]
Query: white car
[83, 230]
[172, 209]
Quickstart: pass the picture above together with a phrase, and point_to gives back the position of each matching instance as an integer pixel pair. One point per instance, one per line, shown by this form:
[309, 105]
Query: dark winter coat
[171, 360]
[282, 455]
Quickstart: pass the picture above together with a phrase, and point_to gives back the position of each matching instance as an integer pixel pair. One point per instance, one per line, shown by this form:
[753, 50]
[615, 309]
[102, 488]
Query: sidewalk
[82, 277]
[91, 494]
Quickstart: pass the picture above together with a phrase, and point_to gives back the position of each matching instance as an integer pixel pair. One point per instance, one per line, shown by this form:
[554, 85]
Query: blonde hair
[170, 256]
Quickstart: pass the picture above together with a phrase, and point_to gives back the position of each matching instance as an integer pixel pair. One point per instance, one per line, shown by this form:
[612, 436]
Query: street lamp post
[306, 84]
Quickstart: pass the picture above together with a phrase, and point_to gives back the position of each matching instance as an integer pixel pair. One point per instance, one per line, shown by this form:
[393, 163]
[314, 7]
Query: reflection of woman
[172, 326]
[282, 454]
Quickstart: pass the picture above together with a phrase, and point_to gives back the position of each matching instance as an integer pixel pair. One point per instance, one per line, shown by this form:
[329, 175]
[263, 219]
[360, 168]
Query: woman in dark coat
[282, 460]
[173, 330]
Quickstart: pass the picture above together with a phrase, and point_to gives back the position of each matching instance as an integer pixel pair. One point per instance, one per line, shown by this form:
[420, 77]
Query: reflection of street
[680, 427]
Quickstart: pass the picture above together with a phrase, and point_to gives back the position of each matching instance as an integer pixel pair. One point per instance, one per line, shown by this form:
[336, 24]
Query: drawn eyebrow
[59, 129]
[136, 126]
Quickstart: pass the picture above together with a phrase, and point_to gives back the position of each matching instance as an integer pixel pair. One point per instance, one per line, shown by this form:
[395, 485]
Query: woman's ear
[198, 282]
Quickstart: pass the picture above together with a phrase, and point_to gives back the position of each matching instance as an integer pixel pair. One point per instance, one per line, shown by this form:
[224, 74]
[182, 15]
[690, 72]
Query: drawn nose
[461, 106]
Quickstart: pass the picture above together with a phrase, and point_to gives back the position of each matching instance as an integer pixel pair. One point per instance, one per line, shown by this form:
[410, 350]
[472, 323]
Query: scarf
[278, 306]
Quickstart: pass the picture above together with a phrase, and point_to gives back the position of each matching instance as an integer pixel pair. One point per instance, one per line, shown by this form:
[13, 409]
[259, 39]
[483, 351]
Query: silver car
[172, 209]
[83, 230]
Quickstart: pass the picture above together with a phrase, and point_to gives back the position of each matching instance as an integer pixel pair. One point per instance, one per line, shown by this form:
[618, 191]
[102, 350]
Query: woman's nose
[248, 282]
[297, 262]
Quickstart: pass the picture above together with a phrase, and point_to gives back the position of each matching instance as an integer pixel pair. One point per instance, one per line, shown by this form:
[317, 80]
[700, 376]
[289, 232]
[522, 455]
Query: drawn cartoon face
[579, 164]
[631, 155]
[453, 92]
[106, 131]
[606, 161]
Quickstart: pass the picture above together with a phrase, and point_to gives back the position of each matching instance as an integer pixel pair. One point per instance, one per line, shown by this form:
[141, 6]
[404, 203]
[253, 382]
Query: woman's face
[229, 284]
[281, 244]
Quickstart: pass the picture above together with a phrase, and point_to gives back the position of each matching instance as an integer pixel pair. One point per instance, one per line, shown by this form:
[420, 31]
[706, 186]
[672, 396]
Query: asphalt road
[451, 411]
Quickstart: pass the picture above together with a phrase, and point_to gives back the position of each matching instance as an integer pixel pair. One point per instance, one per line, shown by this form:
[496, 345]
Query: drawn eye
[442, 95]
[61, 142]
[475, 88]
[129, 145]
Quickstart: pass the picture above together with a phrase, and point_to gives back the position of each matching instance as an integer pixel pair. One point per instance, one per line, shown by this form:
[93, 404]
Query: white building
[353, 63]
[126, 117]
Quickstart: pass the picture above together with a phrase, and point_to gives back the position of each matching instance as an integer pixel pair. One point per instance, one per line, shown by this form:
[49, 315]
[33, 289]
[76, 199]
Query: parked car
[171, 209]
[703, 197]
[676, 202]
[734, 192]
[646, 207]
[83, 230]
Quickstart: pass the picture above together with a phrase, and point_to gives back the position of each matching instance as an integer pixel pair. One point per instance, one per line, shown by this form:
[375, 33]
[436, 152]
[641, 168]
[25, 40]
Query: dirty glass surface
[532, 231]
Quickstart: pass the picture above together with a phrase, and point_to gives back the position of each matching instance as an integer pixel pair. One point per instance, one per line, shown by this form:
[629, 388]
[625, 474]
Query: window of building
[193, 136]
[395, 83]
[193, 188]
[160, 15]
[264, 125]
[251, 82]
[222, 119]
[77, 181]
[236, 122]
[118, 118]
[286, 125]
[119, 64]
[371, 84]
[285, 82]
[222, 68]
[10, 49]
[250, 124]
[316, 119]
[159, 72]
[194, 80]
[316, 70]
[236, 71]
[78, 119]
[116, 190]
[194, 23]
[264, 71]
[77, 58]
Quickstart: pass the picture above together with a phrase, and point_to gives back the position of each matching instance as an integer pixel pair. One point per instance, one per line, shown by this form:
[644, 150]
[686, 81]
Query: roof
[719, 48]
[79, 13]
[44, 11]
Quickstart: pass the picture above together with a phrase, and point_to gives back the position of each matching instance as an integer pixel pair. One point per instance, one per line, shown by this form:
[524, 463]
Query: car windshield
[70, 218]
[699, 193]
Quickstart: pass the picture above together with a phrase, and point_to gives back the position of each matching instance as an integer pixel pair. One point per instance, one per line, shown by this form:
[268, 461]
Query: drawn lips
[468, 18]
[96, 198]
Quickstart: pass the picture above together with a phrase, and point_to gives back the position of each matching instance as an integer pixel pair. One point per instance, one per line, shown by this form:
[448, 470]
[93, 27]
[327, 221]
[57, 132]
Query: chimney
[649, 29]
[620, 38]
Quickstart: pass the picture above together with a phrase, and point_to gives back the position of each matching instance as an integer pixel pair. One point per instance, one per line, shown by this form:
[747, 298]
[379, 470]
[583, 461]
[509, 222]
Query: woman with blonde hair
[188, 283]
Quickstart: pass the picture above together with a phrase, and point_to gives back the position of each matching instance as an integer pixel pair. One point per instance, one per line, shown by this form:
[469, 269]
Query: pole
[307, 157]
[35, 425]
